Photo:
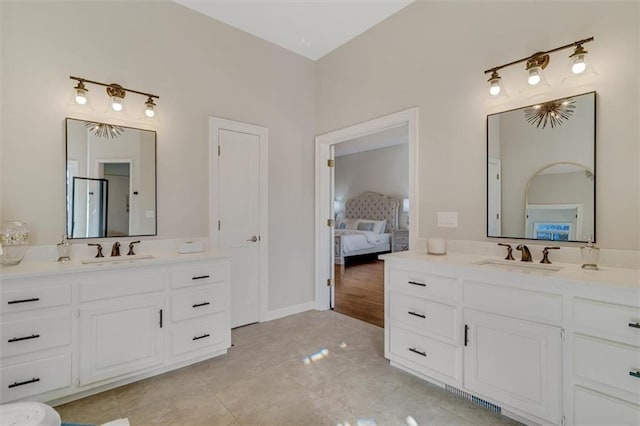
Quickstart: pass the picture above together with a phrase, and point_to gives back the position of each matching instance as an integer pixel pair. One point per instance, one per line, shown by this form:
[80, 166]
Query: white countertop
[618, 277]
[36, 268]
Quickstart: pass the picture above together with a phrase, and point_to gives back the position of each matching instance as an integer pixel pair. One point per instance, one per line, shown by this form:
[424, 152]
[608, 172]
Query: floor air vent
[474, 399]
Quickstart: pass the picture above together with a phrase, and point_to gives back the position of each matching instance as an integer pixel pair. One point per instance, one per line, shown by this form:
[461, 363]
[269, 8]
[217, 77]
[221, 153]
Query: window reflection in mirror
[541, 177]
[111, 180]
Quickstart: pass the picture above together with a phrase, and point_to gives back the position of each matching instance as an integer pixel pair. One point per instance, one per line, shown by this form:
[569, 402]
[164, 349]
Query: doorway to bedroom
[371, 187]
[326, 201]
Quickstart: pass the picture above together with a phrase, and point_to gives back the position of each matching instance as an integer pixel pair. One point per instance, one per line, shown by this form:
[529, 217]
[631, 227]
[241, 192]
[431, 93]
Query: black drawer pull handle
[634, 324]
[415, 351]
[635, 374]
[200, 277]
[201, 337]
[417, 283]
[19, 339]
[415, 314]
[13, 302]
[197, 305]
[26, 382]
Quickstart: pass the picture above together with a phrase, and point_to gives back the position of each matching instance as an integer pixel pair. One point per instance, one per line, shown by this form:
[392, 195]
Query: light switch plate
[447, 219]
[149, 214]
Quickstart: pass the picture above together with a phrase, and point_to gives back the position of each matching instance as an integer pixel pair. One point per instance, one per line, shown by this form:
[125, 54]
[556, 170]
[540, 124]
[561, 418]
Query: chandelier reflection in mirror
[553, 113]
[104, 130]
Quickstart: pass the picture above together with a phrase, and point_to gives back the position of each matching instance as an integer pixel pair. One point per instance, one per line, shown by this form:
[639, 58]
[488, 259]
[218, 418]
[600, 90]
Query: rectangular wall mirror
[110, 180]
[541, 167]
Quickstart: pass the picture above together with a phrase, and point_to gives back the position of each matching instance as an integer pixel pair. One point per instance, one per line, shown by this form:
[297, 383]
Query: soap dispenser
[590, 255]
[64, 250]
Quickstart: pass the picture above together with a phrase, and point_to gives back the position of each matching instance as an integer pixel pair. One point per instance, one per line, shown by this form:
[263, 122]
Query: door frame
[216, 124]
[324, 205]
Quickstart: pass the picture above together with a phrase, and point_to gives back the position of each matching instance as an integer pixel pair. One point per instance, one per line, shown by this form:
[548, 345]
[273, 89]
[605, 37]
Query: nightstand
[400, 240]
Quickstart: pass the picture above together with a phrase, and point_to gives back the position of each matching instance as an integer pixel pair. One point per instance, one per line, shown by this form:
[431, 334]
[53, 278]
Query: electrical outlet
[448, 219]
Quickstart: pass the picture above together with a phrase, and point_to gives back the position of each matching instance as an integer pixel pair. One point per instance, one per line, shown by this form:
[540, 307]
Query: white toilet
[28, 414]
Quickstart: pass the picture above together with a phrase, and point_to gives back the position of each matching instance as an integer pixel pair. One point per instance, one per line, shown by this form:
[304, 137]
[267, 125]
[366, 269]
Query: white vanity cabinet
[544, 349]
[513, 344]
[606, 362]
[200, 304]
[36, 337]
[422, 322]
[91, 328]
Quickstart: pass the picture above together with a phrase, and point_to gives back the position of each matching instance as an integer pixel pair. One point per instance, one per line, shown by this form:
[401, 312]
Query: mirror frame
[523, 237]
[66, 186]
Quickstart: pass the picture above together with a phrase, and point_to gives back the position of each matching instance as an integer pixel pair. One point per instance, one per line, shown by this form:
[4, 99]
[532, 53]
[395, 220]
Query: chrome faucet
[115, 250]
[526, 254]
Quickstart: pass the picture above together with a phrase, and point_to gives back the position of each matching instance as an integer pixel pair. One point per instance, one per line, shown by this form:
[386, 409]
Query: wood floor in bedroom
[359, 290]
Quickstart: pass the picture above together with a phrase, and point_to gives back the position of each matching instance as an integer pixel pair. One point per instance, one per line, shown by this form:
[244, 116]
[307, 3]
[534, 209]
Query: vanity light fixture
[539, 61]
[116, 92]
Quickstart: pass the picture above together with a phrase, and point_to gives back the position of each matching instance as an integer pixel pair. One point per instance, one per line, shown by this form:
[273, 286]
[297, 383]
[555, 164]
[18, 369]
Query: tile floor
[263, 380]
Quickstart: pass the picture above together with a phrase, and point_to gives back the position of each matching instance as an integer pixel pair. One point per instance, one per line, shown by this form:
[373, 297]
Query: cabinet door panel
[120, 338]
[514, 361]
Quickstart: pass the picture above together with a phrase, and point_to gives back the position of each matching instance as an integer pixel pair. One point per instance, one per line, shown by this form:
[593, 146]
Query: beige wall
[199, 68]
[433, 54]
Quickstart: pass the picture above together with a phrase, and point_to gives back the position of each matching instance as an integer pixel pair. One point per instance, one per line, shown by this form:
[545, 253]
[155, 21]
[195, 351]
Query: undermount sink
[118, 259]
[515, 264]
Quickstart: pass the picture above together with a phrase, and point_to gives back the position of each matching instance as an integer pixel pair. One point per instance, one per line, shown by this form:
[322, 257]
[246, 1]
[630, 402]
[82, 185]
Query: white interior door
[239, 212]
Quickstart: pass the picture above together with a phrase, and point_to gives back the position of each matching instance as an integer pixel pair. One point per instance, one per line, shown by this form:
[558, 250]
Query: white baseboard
[289, 310]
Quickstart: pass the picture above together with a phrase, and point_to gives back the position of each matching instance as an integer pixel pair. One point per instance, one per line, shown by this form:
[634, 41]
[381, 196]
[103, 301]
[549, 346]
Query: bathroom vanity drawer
[199, 273]
[596, 409]
[33, 378]
[198, 302]
[515, 302]
[611, 364]
[28, 298]
[206, 332]
[34, 334]
[112, 285]
[425, 352]
[613, 322]
[424, 284]
[424, 315]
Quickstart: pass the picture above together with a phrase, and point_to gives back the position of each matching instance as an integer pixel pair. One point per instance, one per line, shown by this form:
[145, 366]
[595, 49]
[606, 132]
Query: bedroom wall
[381, 170]
[199, 68]
[432, 55]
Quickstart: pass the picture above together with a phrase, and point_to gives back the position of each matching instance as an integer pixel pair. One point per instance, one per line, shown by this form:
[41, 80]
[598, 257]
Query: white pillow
[378, 225]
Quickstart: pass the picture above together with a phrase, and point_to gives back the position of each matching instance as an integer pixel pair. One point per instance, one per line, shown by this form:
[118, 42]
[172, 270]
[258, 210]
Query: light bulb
[149, 108]
[80, 93]
[116, 104]
[534, 76]
[578, 64]
[81, 96]
[494, 90]
[494, 84]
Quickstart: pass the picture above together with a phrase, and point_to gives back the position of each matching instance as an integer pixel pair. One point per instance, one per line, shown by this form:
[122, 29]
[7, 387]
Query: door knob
[253, 239]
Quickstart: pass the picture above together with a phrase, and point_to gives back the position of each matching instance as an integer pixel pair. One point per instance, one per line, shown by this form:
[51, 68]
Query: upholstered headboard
[374, 206]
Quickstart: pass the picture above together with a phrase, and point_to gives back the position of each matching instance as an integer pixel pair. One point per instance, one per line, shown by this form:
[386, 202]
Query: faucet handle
[545, 254]
[509, 251]
[131, 253]
[99, 249]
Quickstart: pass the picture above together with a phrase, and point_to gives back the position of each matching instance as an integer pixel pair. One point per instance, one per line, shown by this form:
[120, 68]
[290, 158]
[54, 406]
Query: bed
[366, 228]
